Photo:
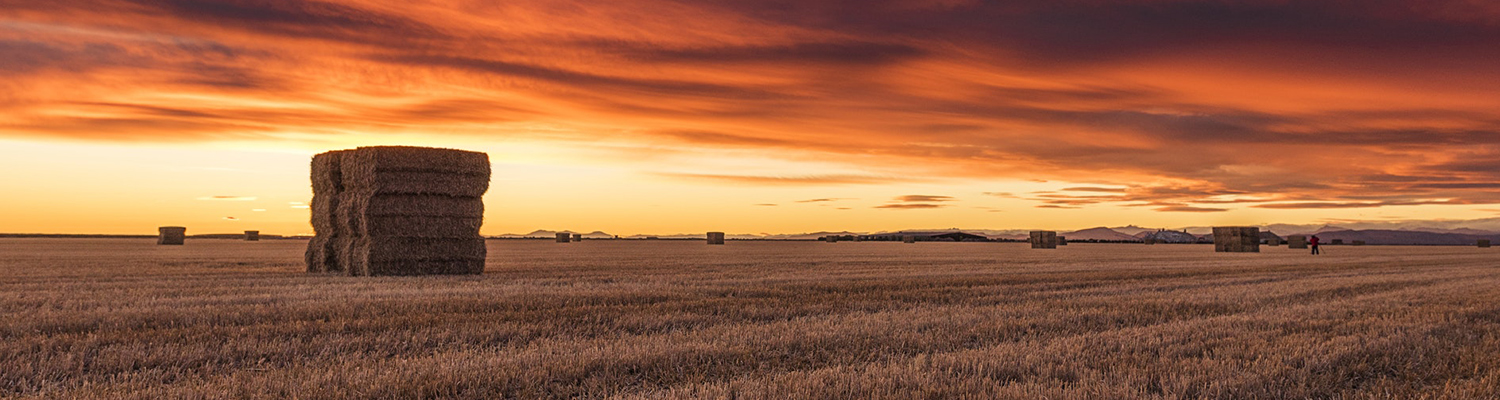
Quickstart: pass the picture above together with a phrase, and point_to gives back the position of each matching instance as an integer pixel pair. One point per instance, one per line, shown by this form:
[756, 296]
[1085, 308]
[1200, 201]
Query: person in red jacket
[1313, 241]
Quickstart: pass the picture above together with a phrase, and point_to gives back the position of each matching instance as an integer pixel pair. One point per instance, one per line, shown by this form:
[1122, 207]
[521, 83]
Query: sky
[118, 116]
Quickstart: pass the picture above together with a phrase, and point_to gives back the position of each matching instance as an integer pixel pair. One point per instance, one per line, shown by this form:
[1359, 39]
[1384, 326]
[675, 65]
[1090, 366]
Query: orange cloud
[1168, 104]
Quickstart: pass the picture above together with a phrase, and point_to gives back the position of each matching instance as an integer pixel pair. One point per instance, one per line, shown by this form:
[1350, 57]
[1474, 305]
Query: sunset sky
[118, 116]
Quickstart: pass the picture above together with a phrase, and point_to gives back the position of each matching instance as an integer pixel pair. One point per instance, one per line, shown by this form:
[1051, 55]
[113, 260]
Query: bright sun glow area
[619, 188]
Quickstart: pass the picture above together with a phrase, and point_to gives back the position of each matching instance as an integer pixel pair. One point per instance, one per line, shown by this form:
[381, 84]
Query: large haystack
[1236, 239]
[1043, 239]
[252, 236]
[716, 238]
[398, 211]
[564, 237]
[1296, 242]
[171, 235]
[1484, 243]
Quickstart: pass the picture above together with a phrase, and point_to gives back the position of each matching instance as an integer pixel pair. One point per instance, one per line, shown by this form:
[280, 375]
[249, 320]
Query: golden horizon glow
[663, 117]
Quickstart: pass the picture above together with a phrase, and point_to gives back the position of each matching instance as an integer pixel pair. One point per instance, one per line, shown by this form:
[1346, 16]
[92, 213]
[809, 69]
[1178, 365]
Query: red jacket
[1313, 241]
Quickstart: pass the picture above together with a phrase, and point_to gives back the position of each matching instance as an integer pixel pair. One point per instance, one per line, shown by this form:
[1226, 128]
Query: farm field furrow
[122, 318]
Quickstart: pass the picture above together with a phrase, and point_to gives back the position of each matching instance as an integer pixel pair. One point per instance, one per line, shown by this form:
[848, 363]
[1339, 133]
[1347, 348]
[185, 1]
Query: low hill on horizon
[1400, 237]
[1101, 234]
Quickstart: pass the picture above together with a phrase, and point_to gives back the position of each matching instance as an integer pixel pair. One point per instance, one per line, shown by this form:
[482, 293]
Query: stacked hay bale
[327, 185]
[1062, 240]
[908, 238]
[1484, 243]
[1296, 242]
[170, 235]
[252, 236]
[395, 210]
[1236, 239]
[1337, 242]
[578, 237]
[1043, 239]
[716, 238]
[564, 237]
[831, 239]
[1359, 243]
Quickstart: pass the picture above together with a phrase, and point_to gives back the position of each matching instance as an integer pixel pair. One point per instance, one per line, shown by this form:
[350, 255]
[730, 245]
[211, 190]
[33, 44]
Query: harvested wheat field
[123, 318]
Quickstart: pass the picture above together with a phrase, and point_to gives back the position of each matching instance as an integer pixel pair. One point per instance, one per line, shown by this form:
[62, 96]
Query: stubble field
[123, 318]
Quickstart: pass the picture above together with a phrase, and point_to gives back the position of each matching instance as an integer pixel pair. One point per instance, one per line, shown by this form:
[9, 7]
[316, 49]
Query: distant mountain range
[553, 234]
[1407, 236]
[1378, 236]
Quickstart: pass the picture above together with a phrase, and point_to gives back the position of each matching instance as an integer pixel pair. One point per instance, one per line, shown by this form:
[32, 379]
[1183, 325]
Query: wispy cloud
[1316, 205]
[1094, 189]
[1182, 208]
[910, 206]
[822, 200]
[809, 180]
[916, 202]
[922, 198]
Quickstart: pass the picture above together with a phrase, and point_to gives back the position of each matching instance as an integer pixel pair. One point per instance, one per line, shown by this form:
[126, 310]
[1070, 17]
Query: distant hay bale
[1236, 239]
[831, 239]
[1149, 240]
[1484, 243]
[252, 236]
[171, 235]
[716, 238]
[577, 237]
[1043, 239]
[1062, 240]
[564, 237]
[397, 210]
[1358, 243]
[1337, 242]
[1296, 242]
[908, 238]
